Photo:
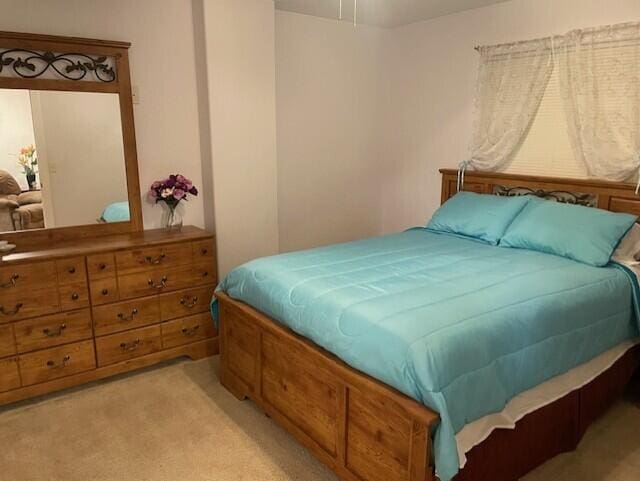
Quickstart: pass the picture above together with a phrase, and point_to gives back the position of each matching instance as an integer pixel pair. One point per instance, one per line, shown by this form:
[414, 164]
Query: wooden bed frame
[365, 430]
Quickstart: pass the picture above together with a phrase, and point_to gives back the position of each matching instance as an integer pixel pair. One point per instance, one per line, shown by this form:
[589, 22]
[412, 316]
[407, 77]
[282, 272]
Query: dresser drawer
[202, 249]
[71, 271]
[127, 345]
[57, 362]
[126, 315]
[27, 277]
[9, 375]
[186, 330]
[185, 303]
[104, 291]
[21, 305]
[100, 266]
[161, 279]
[74, 296]
[54, 330]
[7, 341]
[204, 272]
[137, 260]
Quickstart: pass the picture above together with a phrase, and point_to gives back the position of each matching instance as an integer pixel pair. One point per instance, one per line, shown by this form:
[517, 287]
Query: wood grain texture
[101, 266]
[104, 291]
[9, 374]
[71, 270]
[99, 244]
[195, 351]
[17, 305]
[27, 277]
[7, 341]
[187, 329]
[185, 303]
[53, 330]
[122, 316]
[359, 427]
[128, 345]
[613, 196]
[42, 366]
[142, 259]
[121, 86]
[74, 296]
[43, 349]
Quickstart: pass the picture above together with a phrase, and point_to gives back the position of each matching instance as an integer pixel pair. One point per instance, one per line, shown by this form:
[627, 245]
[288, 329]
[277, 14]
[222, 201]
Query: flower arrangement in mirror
[171, 191]
[28, 160]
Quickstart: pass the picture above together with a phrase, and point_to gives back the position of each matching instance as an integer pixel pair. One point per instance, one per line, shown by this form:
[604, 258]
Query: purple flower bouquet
[172, 191]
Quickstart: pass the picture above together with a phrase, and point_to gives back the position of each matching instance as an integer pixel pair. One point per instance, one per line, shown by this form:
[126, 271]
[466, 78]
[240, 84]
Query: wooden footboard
[359, 427]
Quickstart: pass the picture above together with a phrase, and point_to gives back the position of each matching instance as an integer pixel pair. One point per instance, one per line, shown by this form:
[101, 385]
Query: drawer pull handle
[204, 251]
[11, 283]
[75, 296]
[189, 303]
[155, 260]
[160, 285]
[125, 318]
[104, 291]
[102, 266]
[63, 364]
[71, 270]
[13, 311]
[54, 333]
[130, 346]
[190, 331]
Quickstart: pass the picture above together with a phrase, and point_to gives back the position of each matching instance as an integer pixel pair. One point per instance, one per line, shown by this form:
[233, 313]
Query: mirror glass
[61, 159]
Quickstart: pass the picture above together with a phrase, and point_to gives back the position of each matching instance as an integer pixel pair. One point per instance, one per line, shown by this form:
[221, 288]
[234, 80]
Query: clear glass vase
[171, 218]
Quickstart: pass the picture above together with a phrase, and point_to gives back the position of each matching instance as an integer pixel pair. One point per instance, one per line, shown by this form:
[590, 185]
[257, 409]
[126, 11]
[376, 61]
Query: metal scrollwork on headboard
[577, 198]
[31, 64]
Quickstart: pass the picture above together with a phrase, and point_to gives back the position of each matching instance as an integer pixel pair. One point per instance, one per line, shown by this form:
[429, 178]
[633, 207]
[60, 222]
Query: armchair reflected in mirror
[61, 159]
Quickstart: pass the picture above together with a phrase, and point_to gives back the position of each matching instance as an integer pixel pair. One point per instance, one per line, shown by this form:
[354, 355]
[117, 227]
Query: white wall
[163, 67]
[241, 84]
[16, 131]
[80, 153]
[331, 95]
[435, 68]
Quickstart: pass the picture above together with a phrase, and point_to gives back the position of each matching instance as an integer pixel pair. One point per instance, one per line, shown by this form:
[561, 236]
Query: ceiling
[383, 13]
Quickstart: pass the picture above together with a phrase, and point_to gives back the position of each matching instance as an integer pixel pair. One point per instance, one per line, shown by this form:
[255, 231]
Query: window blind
[546, 149]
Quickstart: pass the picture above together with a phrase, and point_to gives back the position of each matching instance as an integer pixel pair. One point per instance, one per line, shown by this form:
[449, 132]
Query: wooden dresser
[87, 309]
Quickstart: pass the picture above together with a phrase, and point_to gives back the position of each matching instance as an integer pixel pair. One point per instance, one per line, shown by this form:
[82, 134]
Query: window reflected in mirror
[61, 159]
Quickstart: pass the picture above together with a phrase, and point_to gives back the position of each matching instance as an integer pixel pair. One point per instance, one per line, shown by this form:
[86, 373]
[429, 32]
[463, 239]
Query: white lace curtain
[511, 83]
[599, 70]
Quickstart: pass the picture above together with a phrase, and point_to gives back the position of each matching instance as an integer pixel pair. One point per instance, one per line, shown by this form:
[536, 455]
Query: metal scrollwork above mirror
[30, 64]
[577, 198]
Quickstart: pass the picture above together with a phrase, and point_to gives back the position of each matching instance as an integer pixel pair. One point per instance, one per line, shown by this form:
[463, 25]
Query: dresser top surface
[107, 243]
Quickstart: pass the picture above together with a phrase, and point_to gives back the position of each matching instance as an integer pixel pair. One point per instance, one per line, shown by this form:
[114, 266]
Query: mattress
[458, 325]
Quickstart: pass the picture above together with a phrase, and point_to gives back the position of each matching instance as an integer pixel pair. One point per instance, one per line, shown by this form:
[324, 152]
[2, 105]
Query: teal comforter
[456, 324]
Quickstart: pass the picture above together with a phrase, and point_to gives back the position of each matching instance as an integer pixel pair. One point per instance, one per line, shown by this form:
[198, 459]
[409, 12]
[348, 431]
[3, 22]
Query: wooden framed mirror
[68, 161]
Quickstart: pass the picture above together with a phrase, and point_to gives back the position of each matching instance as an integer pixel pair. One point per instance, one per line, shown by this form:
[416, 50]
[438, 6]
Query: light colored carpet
[176, 423]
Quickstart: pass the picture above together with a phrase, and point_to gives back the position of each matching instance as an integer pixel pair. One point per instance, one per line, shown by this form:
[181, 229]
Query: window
[546, 149]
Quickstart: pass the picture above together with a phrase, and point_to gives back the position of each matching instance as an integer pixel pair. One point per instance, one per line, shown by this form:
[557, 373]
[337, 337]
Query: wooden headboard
[613, 196]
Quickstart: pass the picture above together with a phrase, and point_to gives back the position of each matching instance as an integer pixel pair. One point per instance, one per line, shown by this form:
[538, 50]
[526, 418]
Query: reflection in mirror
[61, 159]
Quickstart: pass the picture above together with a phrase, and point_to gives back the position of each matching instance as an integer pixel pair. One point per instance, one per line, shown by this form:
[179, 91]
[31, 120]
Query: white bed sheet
[553, 389]
[543, 394]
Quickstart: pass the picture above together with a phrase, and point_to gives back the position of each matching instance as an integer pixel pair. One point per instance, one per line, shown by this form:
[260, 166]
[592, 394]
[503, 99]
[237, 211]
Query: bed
[115, 212]
[355, 392]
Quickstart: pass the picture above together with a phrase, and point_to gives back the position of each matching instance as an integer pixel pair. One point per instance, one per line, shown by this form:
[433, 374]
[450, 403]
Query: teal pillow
[479, 216]
[584, 234]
